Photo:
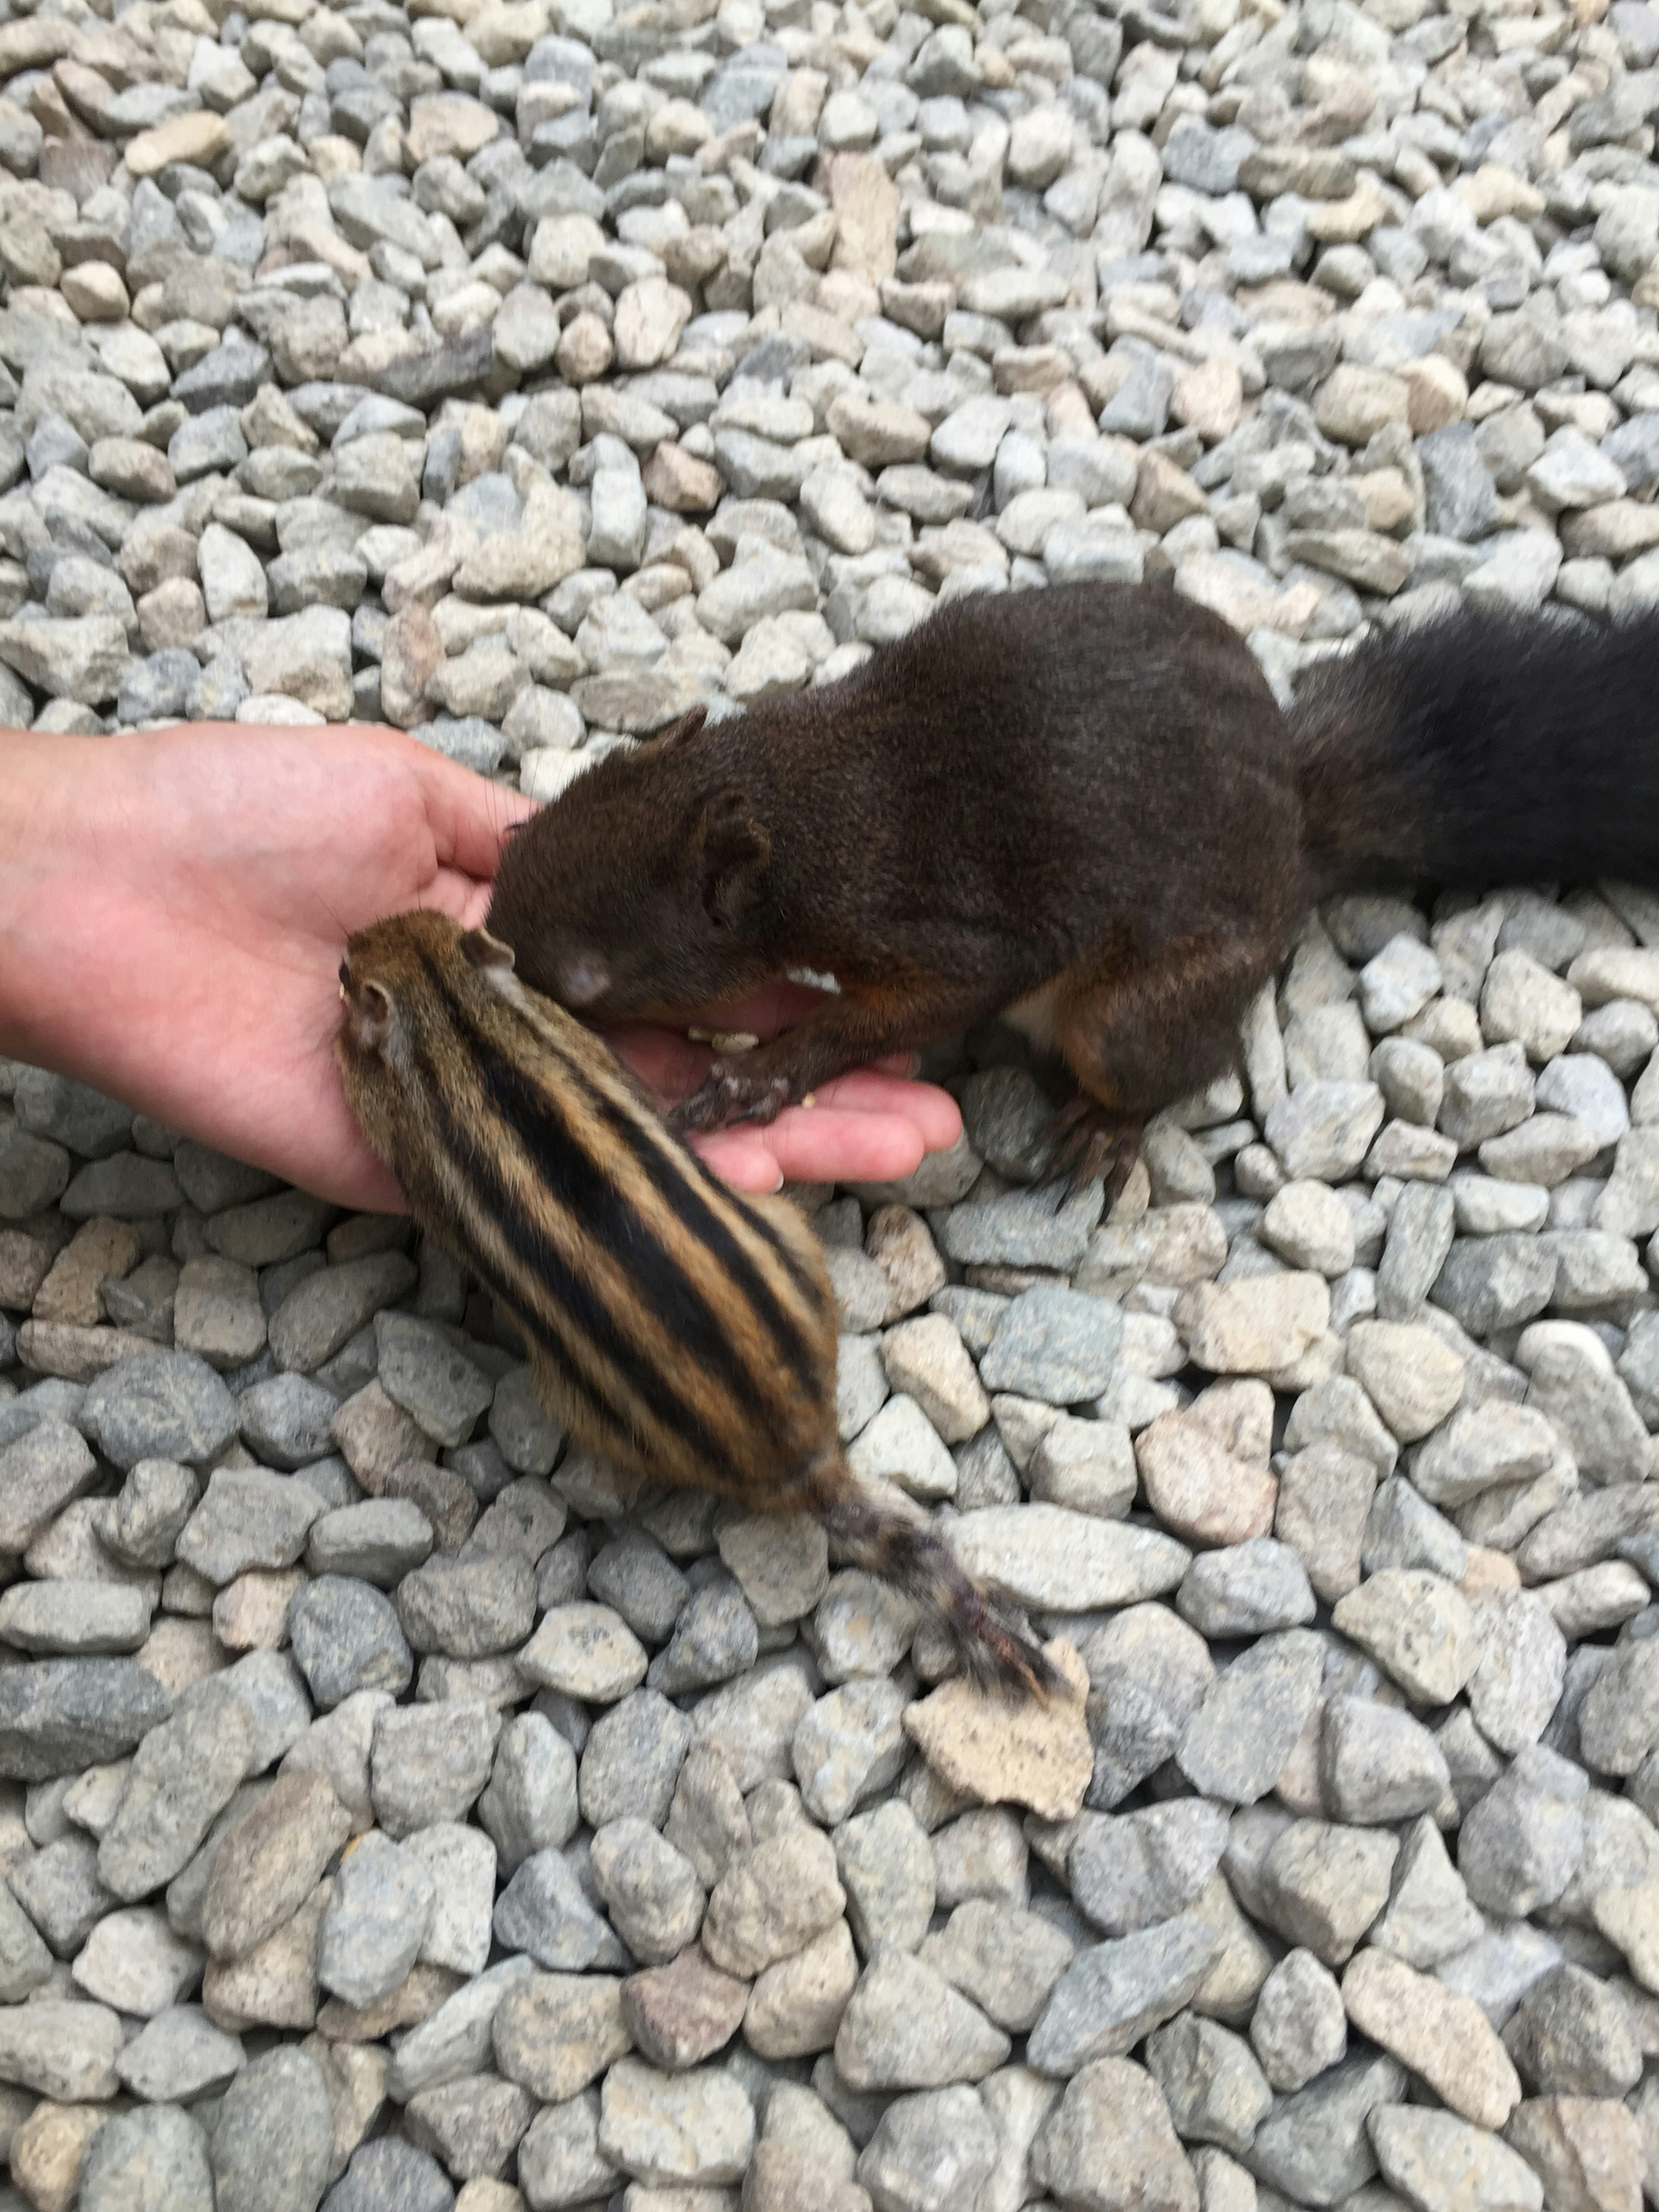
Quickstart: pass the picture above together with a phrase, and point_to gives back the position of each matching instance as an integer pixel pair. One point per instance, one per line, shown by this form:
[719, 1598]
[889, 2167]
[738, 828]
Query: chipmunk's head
[413, 990]
[633, 892]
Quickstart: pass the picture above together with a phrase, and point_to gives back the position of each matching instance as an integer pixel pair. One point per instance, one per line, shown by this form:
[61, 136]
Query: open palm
[174, 910]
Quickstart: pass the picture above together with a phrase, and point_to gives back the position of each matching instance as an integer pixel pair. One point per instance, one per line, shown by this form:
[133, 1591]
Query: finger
[461, 897]
[742, 1158]
[825, 1146]
[815, 1147]
[366, 1185]
[469, 815]
[866, 1091]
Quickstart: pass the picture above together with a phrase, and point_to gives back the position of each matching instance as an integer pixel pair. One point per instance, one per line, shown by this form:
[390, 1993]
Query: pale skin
[173, 906]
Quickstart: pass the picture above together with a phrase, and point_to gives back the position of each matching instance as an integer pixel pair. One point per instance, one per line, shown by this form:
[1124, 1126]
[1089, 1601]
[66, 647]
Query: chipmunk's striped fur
[678, 1329]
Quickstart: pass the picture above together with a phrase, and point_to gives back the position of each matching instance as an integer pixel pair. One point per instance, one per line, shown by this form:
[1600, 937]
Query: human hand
[174, 907]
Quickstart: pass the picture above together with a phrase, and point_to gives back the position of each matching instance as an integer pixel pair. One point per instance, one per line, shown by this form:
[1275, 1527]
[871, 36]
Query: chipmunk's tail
[996, 1652]
[1483, 746]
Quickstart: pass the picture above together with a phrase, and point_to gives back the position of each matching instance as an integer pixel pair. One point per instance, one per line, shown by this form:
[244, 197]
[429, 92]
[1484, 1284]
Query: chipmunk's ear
[680, 733]
[481, 950]
[736, 847]
[368, 1014]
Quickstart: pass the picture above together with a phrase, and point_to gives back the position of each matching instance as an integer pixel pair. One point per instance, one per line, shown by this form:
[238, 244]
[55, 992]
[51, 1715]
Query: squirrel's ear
[678, 733]
[481, 950]
[736, 847]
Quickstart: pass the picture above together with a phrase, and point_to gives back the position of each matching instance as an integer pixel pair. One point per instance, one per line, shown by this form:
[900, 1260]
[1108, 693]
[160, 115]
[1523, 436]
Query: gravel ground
[402, 1811]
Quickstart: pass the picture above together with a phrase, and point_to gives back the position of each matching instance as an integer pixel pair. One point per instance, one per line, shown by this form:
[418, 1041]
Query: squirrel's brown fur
[1080, 806]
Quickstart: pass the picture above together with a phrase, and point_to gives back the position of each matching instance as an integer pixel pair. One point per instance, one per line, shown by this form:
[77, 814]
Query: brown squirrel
[682, 1331]
[1082, 808]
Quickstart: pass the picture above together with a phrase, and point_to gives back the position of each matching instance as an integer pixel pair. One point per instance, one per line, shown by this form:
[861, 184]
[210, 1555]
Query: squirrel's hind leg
[1139, 1033]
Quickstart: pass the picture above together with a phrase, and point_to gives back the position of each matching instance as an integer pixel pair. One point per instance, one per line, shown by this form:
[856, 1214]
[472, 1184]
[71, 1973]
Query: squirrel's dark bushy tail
[1477, 748]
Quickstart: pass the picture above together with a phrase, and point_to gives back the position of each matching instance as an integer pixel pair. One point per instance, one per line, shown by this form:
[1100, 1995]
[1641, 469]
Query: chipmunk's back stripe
[574, 1301]
[695, 1213]
[609, 1221]
[602, 1216]
[576, 1305]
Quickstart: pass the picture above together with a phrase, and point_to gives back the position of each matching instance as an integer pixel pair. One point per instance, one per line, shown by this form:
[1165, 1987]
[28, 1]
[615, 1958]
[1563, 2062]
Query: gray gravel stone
[1134, 1870]
[159, 1404]
[247, 1519]
[544, 1912]
[905, 2027]
[429, 1763]
[1237, 1742]
[632, 1757]
[1316, 2147]
[177, 2056]
[1520, 1846]
[529, 1803]
[347, 1639]
[375, 1922]
[273, 2144]
[1111, 1996]
[1376, 1764]
[1109, 2139]
[390, 2176]
[150, 2161]
[1055, 1344]
[1299, 2027]
[935, 2148]
[183, 1775]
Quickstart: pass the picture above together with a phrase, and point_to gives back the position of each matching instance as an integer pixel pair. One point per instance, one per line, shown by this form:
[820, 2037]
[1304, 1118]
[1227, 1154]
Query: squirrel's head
[633, 893]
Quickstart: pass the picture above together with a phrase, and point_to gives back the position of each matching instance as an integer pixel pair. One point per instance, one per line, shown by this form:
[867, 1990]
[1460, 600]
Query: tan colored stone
[650, 316]
[867, 204]
[1438, 2032]
[1164, 493]
[878, 432]
[998, 1753]
[1353, 403]
[250, 1614]
[48, 2151]
[410, 655]
[1344, 222]
[200, 139]
[1493, 190]
[795, 2006]
[450, 123]
[275, 1985]
[1587, 2152]
[682, 2013]
[678, 480]
[1256, 1325]
[270, 1861]
[414, 1999]
[1630, 1919]
[1437, 393]
[1209, 397]
[554, 2033]
[99, 1247]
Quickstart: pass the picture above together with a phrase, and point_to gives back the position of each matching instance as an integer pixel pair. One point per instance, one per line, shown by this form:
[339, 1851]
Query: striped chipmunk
[681, 1331]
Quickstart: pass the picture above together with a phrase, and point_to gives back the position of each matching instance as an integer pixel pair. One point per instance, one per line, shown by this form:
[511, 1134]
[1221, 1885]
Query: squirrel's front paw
[730, 1092]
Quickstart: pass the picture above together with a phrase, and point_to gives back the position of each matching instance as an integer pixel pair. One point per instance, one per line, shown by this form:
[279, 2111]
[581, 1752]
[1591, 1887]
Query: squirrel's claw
[1086, 1140]
[730, 1092]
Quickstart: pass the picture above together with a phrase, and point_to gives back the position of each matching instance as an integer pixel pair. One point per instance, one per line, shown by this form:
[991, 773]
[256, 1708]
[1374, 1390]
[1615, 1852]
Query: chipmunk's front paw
[731, 1092]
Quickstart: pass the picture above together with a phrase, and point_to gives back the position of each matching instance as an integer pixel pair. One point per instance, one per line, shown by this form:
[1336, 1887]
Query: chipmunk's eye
[345, 971]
